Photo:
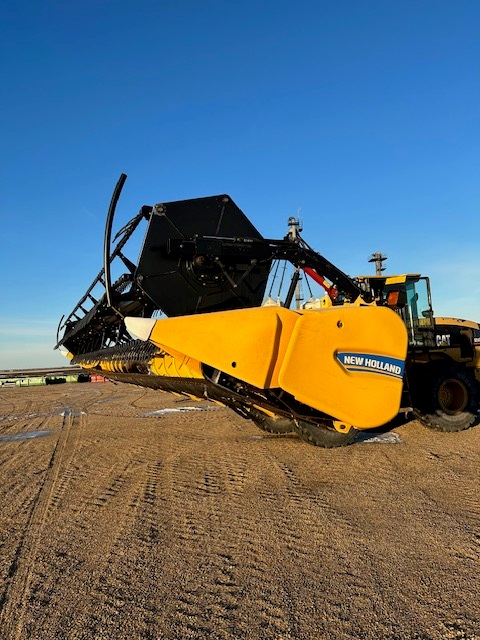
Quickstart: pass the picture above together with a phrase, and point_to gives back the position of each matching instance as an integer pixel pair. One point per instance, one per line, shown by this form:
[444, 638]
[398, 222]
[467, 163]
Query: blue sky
[363, 115]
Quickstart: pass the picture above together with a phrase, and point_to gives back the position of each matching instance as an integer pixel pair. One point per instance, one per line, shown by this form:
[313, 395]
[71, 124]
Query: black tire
[449, 399]
[324, 435]
[264, 422]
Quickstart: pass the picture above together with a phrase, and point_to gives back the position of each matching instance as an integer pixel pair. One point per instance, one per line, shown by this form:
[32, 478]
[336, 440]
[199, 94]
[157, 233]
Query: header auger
[187, 317]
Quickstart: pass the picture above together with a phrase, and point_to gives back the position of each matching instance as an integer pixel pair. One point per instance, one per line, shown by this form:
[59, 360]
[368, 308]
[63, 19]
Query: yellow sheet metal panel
[394, 279]
[398, 279]
[456, 321]
[348, 362]
[248, 343]
[286, 320]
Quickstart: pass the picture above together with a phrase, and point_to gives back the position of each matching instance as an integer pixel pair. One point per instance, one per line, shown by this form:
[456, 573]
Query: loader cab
[409, 296]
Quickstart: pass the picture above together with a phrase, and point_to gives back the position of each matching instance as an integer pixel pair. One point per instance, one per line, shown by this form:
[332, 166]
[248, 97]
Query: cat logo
[443, 340]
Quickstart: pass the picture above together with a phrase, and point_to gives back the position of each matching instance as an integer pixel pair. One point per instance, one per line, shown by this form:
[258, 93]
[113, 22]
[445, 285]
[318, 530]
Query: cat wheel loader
[190, 317]
[442, 374]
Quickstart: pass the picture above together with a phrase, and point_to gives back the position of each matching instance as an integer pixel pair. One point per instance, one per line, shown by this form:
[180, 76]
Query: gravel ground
[119, 521]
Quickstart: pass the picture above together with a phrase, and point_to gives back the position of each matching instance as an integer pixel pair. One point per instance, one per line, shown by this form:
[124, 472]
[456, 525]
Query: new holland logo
[367, 362]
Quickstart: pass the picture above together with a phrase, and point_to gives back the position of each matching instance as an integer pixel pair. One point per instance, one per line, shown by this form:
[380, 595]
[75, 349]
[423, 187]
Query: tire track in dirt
[462, 514]
[44, 424]
[218, 538]
[127, 503]
[189, 526]
[14, 597]
[17, 423]
[298, 503]
[306, 518]
[257, 535]
[4, 401]
[20, 405]
[114, 507]
[206, 608]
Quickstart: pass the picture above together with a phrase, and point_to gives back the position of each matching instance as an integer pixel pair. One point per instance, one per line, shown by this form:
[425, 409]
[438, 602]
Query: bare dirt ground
[116, 524]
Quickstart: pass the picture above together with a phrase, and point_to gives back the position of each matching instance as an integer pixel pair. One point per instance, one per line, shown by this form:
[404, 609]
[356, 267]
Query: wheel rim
[452, 396]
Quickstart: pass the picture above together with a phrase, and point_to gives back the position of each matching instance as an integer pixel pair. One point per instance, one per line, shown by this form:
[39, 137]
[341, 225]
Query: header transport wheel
[324, 434]
[451, 399]
[272, 424]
